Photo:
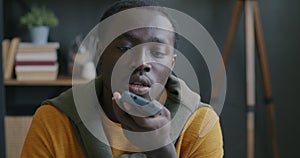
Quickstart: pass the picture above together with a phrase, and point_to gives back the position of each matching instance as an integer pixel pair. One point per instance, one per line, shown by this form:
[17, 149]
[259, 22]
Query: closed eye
[158, 54]
[123, 48]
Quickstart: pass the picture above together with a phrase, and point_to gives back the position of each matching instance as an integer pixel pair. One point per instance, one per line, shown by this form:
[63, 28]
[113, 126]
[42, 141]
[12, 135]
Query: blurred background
[280, 22]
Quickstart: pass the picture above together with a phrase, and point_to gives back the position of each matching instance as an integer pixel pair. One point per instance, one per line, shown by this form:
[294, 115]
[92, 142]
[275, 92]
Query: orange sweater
[51, 135]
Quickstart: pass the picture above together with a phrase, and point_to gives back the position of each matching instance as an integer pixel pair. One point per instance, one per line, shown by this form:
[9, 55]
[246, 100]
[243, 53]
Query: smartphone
[144, 106]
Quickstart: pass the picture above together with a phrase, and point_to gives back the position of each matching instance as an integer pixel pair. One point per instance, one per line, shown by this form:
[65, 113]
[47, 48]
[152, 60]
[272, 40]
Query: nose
[138, 61]
[145, 67]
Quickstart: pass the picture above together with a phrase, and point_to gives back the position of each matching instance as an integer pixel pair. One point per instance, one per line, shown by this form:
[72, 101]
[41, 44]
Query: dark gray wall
[280, 22]
[2, 107]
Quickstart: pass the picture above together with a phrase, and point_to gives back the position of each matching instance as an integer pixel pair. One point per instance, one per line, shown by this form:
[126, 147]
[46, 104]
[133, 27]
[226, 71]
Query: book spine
[5, 49]
[47, 45]
[11, 57]
[36, 68]
[50, 56]
[35, 63]
[36, 50]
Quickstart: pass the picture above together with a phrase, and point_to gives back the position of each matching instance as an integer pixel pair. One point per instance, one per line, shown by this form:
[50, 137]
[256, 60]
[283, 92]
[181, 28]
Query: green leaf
[39, 16]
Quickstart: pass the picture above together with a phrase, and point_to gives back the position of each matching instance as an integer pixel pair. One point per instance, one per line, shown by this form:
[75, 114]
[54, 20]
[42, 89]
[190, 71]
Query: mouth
[139, 85]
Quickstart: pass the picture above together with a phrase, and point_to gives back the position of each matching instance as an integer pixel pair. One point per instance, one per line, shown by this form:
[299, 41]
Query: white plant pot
[89, 71]
[39, 34]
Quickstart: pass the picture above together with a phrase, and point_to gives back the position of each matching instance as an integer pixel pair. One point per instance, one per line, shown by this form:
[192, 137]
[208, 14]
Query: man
[143, 58]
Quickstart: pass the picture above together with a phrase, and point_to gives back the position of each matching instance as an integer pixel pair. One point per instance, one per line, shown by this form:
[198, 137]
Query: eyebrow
[134, 38]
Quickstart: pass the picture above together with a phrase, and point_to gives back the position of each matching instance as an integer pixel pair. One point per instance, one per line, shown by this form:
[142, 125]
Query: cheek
[108, 62]
[160, 73]
[106, 67]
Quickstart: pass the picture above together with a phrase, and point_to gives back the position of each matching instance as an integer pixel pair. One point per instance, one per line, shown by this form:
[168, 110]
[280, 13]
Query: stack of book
[36, 62]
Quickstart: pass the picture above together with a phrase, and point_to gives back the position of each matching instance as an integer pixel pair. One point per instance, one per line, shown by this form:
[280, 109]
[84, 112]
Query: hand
[147, 133]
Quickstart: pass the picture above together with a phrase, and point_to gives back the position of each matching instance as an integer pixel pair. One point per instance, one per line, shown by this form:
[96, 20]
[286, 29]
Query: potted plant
[38, 20]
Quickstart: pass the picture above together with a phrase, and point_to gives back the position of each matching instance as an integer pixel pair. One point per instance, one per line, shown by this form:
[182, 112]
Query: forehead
[157, 27]
[148, 35]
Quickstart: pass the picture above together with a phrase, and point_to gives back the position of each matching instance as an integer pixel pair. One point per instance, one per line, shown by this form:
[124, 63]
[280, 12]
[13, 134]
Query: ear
[173, 61]
[99, 50]
[98, 68]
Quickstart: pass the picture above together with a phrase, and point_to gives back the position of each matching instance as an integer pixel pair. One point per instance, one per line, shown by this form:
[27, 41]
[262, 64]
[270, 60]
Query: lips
[139, 85]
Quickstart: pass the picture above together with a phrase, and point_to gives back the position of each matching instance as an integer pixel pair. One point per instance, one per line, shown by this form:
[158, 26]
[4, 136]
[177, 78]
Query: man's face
[140, 58]
[148, 56]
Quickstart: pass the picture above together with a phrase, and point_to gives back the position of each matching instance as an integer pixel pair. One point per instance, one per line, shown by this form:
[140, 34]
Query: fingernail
[116, 96]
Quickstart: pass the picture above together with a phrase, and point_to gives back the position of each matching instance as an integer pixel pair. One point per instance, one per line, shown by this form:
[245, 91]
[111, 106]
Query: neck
[106, 104]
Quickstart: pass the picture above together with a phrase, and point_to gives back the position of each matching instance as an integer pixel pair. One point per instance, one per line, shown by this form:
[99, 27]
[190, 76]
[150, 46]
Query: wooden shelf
[61, 81]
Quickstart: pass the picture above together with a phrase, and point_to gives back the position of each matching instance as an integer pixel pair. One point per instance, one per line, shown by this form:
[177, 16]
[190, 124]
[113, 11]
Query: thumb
[116, 96]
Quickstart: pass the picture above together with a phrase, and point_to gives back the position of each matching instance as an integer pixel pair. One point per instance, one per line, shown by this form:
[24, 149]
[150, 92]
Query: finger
[123, 105]
[127, 106]
[117, 96]
[119, 113]
[155, 122]
[125, 120]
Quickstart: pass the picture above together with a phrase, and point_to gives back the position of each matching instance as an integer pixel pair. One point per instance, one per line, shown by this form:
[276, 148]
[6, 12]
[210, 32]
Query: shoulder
[51, 134]
[46, 109]
[202, 121]
[54, 126]
[49, 117]
[49, 112]
[201, 136]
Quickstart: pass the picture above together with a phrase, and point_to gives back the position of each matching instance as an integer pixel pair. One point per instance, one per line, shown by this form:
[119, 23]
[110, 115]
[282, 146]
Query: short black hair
[122, 5]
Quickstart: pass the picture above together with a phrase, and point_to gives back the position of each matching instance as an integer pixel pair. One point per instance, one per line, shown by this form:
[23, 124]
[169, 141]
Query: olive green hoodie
[181, 102]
